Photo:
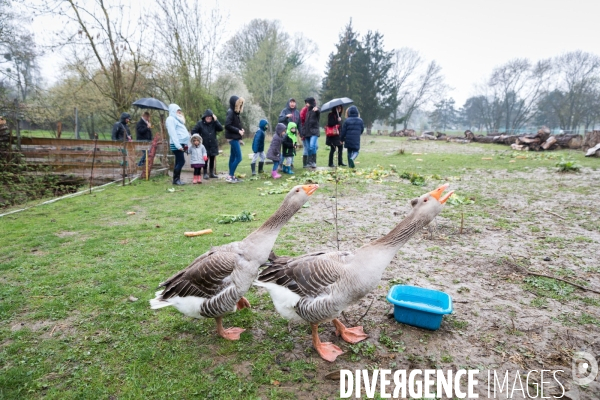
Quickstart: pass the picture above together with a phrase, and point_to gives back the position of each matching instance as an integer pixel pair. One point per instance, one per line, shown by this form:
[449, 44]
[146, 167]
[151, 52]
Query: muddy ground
[502, 321]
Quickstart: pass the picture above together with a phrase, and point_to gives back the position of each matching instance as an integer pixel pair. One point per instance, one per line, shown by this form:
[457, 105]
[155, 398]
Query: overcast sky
[468, 38]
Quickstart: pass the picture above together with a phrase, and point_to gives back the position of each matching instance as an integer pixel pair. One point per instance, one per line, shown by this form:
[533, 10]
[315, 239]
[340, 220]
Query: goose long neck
[270, 229]
[380, 252]
[401, 233]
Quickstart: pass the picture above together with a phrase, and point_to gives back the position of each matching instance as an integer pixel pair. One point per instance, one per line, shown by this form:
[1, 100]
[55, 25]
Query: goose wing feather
[205, 277]
[308, 275]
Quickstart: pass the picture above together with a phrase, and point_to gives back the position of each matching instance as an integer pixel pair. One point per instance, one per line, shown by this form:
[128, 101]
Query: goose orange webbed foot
[243, 303]
[230, 333]
[328, 351]
[350, 335]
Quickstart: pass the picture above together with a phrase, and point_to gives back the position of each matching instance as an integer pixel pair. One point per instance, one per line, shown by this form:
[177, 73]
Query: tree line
[174, 50]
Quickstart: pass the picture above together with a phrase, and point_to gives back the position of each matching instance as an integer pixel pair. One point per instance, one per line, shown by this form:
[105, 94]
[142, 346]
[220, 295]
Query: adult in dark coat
[233, 134]
[143, 133]
[352, 128]
[290, 114]
[311, 131]
[207, 128]
[120, 130]
[334, 120]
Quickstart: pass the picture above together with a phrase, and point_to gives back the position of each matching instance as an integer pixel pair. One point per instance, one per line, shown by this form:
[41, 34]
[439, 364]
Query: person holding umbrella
[179, 139]
[143, 132]
[332, 131]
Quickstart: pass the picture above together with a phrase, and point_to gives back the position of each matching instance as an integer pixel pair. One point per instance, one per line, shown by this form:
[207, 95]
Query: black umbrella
[342, 101]
[151, 103]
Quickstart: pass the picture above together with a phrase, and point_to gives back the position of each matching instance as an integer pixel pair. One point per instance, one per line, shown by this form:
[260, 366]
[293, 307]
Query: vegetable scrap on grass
[244, 216]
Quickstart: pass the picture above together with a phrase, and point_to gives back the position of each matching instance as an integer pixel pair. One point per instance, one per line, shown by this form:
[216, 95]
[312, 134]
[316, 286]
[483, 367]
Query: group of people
[293, 126]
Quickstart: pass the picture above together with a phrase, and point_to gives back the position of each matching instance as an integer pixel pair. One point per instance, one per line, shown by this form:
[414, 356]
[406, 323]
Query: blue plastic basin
[418, 306]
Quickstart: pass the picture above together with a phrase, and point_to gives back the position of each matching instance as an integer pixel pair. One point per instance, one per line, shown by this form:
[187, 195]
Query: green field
[70, 270]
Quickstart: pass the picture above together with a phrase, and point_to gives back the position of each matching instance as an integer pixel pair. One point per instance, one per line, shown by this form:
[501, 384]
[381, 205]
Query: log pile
[404, 133]
[540, 141]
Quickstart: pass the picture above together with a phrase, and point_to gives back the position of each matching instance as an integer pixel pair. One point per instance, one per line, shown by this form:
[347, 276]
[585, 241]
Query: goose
[319, 286]
[214, 283]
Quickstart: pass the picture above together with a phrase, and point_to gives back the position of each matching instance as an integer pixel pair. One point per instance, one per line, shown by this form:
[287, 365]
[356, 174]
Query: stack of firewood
[542, 140]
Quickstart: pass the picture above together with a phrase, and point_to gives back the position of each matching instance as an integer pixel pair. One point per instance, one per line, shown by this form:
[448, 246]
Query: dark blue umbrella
[342, 101]
[151, 103]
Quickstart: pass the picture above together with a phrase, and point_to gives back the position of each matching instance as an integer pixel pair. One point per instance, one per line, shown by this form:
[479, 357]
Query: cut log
[528, 140]
[469, 135]
[569, 141]
[590, 140]
[548, 143]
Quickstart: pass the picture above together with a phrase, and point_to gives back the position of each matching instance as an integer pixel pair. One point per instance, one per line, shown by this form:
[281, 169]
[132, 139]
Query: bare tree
[190, 39]
[106, 46]
[404, 64]
[269, 59]
[429, 86]
[576, 77]
[518, 86]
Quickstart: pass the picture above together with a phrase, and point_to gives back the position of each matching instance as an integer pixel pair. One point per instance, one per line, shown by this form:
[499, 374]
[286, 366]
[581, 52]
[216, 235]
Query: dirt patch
[502, 321]
[64, 234]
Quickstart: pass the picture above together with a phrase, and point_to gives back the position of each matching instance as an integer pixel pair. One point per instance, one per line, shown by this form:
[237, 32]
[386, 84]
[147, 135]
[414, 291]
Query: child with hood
[274, 152]
[198, 157]
[258, 147]
[207, 128]
[352, 128]
[233, 134]
[179, 138]
[289, 142]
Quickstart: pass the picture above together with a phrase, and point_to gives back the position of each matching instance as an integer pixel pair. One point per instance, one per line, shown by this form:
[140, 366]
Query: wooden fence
[77, 156]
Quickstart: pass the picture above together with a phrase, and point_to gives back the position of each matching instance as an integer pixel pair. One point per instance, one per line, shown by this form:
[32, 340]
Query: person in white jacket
[198, 157]
[179, 139]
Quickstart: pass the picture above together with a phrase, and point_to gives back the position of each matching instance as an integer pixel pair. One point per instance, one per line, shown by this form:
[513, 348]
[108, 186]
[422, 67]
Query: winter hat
[311, 101]
[263, 124]
[196, 136]
[280, 128]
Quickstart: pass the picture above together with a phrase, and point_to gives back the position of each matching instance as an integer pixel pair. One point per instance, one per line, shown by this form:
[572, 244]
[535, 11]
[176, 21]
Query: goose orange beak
[310, 189]
[437, 193]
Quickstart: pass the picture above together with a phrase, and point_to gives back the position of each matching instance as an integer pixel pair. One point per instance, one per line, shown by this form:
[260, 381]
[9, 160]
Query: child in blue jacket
[258, 147]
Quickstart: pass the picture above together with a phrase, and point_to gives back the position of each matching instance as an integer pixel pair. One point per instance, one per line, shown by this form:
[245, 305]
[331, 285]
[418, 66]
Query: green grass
[67, 270]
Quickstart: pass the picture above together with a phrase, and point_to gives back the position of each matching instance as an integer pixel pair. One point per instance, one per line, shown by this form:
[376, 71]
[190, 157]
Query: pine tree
[343, 75]
[360, 70]
[376, 87]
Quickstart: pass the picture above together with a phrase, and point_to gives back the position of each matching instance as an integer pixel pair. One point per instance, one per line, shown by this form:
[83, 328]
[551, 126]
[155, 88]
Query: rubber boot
[312, 161]
[206, 172]
[341, 157]
[275, 175]
[290, 171]
[304, 162]
[260, 167]
[253, 167]
[194, 180]
[177, 178]
[350, 162]
[199, 180]
[331, 159]
[212, 173]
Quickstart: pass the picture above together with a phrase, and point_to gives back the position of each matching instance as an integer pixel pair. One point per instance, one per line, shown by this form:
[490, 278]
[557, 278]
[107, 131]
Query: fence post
[18, 129]
[76, 124]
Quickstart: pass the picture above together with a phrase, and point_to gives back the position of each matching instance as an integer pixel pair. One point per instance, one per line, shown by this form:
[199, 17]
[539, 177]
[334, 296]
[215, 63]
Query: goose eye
[297, 190]
[424, 200]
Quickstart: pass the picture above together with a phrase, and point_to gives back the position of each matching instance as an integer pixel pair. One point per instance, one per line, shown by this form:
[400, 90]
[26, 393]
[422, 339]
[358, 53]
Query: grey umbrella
[342, 101]
[151, 103]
